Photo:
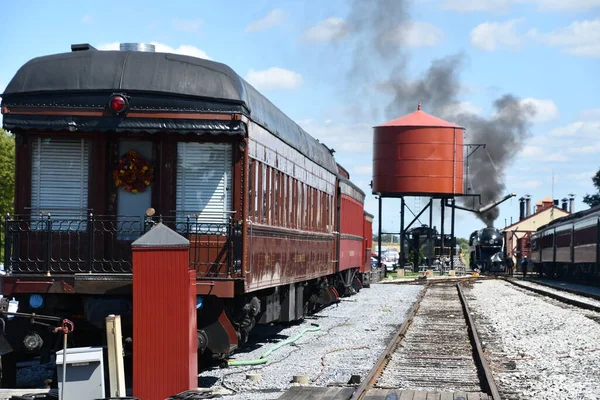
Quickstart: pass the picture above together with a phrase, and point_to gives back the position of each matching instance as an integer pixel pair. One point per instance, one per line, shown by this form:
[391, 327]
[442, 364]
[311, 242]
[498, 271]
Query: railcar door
[133, 200]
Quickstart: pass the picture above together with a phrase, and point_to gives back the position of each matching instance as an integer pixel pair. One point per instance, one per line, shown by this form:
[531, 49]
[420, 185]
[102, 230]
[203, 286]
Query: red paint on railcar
[281, 256]
[368, 243]
[351, 231]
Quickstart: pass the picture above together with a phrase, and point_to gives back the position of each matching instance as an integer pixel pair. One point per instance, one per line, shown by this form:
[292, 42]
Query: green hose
[263, 357]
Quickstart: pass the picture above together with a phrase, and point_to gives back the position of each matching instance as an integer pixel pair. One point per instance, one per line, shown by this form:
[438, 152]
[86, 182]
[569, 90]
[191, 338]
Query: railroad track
[436, 349]
[559, 297]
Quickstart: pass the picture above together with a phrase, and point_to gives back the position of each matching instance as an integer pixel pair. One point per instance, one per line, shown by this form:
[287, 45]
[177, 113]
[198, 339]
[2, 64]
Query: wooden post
[165, 344]
[116, 369]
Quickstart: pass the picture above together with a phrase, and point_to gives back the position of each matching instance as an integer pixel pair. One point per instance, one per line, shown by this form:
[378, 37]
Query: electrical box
[85, 373]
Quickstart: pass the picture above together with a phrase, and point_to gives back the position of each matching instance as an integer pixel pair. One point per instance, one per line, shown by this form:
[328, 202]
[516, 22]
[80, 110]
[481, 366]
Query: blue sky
[546, 52]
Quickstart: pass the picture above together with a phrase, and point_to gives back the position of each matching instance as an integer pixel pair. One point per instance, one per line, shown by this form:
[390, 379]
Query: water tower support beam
[379, 237]
[402, 255]
[452, 249]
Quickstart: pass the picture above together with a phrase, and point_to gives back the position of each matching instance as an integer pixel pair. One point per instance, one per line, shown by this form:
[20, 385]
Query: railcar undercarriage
[223, 324]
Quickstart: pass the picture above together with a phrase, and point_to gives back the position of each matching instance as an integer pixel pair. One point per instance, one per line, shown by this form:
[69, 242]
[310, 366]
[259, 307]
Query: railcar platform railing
[48, 244]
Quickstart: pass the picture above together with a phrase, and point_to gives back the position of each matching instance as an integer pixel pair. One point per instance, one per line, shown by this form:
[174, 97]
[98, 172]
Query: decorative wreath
[133, 172]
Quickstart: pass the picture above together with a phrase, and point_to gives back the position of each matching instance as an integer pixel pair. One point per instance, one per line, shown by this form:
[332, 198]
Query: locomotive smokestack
[521, 208]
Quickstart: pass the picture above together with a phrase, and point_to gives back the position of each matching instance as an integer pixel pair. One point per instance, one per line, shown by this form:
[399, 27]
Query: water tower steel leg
[379, 237]
[402, 255]
[430, 256]
[443, 245]
[453, 242]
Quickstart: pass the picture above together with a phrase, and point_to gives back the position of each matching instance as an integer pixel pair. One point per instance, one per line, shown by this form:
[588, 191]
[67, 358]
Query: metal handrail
[102, 243]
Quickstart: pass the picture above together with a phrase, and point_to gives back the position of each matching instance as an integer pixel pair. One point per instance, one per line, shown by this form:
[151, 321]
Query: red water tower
[419, 155]
[416, 155]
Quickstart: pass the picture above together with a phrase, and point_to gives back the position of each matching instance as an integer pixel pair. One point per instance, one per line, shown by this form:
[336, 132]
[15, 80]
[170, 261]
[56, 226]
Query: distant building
[516, 236]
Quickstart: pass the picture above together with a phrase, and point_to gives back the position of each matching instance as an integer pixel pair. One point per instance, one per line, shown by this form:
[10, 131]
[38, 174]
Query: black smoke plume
[379, 69]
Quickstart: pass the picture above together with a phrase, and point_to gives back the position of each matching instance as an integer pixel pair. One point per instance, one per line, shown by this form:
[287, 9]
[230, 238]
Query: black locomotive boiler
[486, 248]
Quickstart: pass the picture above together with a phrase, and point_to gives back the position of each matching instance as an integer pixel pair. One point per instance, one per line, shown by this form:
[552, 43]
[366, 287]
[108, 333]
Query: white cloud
[273, 18]
[462, 107]
[580, 38]
[330, 29]
[274, 79]
[186, 25]
[363, 170]
[581, 176]
[531, 184]
[491, 36]
[184, 49]
[417, 34]
[545, 110]
[562, 5]
[577, 129]
[586, 149]
[87, 19]
[557, 157]
[592, 114]
[536, 153]
[532, 151]
[502, 6]
[342, 137]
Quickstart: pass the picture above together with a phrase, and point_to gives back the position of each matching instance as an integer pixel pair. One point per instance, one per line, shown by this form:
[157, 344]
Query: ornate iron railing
[102, 244]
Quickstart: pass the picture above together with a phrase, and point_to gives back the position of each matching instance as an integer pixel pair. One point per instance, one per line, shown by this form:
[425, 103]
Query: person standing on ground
[509, 263]
[524, 264]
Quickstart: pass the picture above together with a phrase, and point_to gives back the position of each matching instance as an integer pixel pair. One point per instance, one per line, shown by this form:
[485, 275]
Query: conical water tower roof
[420, 118]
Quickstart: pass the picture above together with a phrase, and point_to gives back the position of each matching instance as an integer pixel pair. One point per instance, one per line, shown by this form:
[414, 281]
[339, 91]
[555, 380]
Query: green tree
[7, 180]
[593, 200]
[464, 247]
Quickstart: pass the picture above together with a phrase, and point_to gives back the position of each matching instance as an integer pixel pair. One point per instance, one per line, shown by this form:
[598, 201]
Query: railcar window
[203, 185]
[251, 189]
[59, 182]
[264, 192]
[276, 197]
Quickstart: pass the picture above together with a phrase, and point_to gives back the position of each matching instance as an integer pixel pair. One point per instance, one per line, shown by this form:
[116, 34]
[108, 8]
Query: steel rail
[564, 289]
[558, 297]
[383, 359]
[480, 359]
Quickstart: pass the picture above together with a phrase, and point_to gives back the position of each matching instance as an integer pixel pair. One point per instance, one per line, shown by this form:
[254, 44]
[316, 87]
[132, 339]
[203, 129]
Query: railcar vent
[83, 47]
[137, 47]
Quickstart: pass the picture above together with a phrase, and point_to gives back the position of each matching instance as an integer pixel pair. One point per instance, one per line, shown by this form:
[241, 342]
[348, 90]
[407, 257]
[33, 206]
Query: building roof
[537, 214]
[420, 118]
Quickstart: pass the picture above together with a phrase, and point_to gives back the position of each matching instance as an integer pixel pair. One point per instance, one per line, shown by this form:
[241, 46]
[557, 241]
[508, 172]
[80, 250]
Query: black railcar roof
[569, 218]
[160, 73]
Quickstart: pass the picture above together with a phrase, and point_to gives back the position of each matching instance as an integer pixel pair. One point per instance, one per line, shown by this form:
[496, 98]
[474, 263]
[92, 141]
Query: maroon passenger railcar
[109, 141]
[569, 246]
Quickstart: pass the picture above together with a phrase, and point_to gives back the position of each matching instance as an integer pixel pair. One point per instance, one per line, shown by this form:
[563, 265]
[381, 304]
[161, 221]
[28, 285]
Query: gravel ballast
[353, 334]
[562, 293]
[539, 348]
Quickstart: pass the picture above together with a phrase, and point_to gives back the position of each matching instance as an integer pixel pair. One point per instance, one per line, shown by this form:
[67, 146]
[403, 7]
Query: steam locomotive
[429, 241]
[486, 248]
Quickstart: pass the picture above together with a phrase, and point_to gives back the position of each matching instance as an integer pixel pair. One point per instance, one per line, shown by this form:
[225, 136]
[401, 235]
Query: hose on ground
[264, 357]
